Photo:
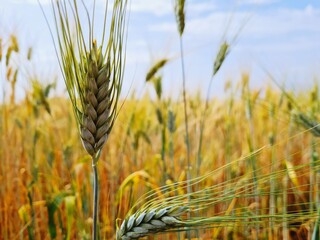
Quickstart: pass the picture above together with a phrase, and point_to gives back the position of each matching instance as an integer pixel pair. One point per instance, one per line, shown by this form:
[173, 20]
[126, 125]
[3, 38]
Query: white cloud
[285, 37]
[156, 7]
[267, 24]
[285, 21]
[194, 8]
[42, 2]
[164, 7]
[310, 10]
[256, 2]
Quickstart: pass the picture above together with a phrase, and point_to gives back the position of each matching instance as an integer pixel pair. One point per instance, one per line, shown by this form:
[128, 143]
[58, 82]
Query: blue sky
[281, 36]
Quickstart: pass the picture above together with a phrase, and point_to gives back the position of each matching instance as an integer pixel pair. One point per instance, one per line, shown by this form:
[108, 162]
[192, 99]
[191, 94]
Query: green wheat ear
[179, 6]
[93, 73]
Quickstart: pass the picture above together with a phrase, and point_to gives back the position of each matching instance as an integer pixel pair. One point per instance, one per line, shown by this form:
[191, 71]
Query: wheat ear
[151, 221]
[180, 15]
[97, 116]
[308, 123]
[155, 68]
[223, 52]
[93, 75]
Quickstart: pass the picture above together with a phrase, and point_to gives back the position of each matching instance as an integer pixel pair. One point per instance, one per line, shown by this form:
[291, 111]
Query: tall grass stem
[187, 140]
[95, 197]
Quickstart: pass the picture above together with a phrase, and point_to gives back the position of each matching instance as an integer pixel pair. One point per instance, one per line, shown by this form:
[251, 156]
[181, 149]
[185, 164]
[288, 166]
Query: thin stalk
[252, 163]
[313, 193]
[186, 123]
[313, 178]
[171, 127]
[315, 159]
[272, 200]
[95, 197]
[228, 146]
[252, 160]
[318, 189]
[31, 227]
[202, 126]
[185, 105]
[162, 122]
[171, 152]
[316, 231]
[163, 152]
[285, 230]
[2, 141]
[312, 174]
[135, 154]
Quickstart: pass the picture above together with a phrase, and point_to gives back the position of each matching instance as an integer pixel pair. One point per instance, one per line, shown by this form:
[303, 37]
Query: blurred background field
[46, 178]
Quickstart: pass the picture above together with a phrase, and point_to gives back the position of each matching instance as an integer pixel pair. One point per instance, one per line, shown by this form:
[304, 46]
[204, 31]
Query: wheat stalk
[179, 9]
[151, 221]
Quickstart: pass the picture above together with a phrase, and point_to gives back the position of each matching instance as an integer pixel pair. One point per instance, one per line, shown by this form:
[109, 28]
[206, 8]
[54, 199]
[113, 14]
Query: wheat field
[184, 166]
[46, 178]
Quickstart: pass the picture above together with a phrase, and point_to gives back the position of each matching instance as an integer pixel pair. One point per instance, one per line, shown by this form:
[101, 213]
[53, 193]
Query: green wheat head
[93, 72]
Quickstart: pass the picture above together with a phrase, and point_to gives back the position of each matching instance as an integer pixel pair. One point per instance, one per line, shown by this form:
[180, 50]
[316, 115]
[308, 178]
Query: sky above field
[282, 37]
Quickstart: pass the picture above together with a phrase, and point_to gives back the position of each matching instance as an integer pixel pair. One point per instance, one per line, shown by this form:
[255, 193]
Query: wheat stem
[272, 200]
[95, 196]
[185, 105]
[185, 122]
[285, 230]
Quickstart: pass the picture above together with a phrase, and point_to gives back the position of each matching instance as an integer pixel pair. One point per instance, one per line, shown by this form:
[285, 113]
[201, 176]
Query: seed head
[155, 68]
[223, 52]
[180, 15]
[93, 74]
[150, 221]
